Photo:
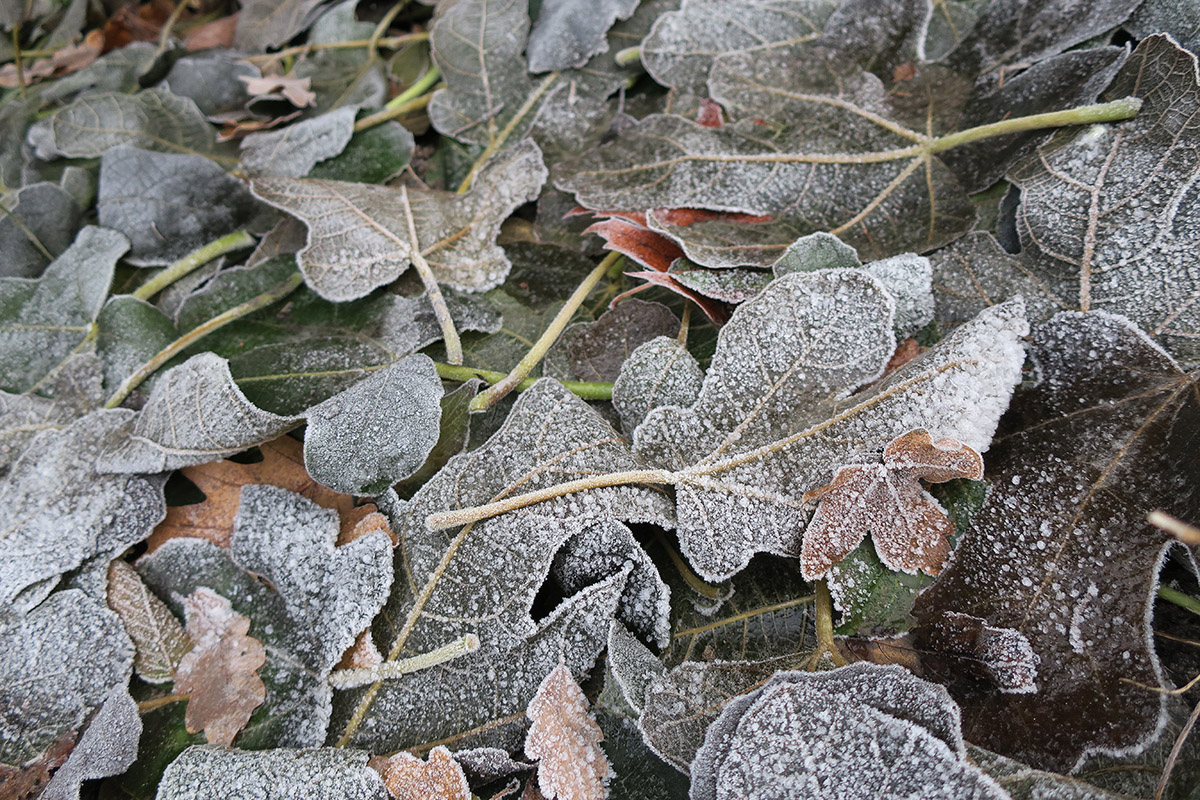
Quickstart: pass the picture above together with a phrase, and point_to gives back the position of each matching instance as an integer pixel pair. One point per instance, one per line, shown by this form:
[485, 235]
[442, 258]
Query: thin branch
[440, 310]
[390, 670]
[193, 261]
[387, 43]
[1179, 740]
[826, 645]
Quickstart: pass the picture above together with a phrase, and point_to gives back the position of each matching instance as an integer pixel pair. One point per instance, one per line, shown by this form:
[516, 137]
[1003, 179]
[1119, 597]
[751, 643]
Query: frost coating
[293, 151]
[661, 372]
[632, 664]
[378, 431]
[569, 32]
[863, 731]
[219, 773]
[108, 747]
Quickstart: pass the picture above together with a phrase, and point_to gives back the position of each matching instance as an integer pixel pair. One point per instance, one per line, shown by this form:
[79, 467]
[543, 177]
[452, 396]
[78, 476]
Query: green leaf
[37, 224]
[372, 156]
[130, 332]
[293, 151]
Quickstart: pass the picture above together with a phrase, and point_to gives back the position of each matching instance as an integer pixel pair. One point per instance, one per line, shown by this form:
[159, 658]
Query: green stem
[486, 399]
[1185, 601]
[199, 332]
[390, 670]
[1115, 111]
[495, 145]
[385, 114]
[440, 310]
[350, 44]
[423, 83]
[630, 55]
[381, 29]
[584, 389]
[191, 262]
[685, 571]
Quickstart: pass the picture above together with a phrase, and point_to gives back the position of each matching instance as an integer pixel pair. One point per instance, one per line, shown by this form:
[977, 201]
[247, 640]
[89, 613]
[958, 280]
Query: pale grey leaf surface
[1023, 782]
[116, 71]
[195, 414]
[169, 204]
[773, 418]
[734, 285]
[60, 511]
[153, 119]
[129, 332]
[59, 662]
[863, 731]
[77, 390]
[36, 220]
[343, 78]
[43, 321]
[1109, 216]
[296, 149]
[380, 430]
[1179, 18]
[569, 32]
[108, 747]
[907, 278]
[210, 78]
[632, 665]
[358, 235]
[269, 23]
[209, 772]
[595, 351]
[683, 44]
[157, 635]
[813, 252]
[661, 372]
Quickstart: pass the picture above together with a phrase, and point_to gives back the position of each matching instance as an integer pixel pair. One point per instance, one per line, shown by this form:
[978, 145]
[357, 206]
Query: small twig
[193, 261]
[1188, 534]
[684, 324]
[490, 397]
[388, 43]
[826, 645]
[1175, 751]
[440, 310]
[498, 141]
[164, 38]
[17, 62]
[158, 702]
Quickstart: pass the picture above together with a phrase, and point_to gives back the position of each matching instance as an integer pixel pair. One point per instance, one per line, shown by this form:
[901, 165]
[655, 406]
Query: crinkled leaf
[565, 740]
[169, 204]
[293, 151]
[265, 24]
[220, 674]
[771, 425]
[595, 351]
[60, 661]
[196, 413]
[37, 224]
[218, 773]
[660, 372]
[378, 431]
[153, 120]
[59, 511]
[569, 32]
[1061, 552]
[1179, 18]
[358, 235]
[863, 731]
[129, 332]
[107, 747]
[43, 321]
[156, 633]
[409, 778]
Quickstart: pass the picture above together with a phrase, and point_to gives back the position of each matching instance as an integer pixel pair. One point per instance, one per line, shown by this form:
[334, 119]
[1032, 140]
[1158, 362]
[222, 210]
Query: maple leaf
[409, 778]
[221, 673]
[910, 530]
[565, 739]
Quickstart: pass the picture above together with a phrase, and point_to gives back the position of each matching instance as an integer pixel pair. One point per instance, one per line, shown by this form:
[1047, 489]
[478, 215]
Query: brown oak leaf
[909, 528]
[221, 672]
[409, 778]
[566, 741]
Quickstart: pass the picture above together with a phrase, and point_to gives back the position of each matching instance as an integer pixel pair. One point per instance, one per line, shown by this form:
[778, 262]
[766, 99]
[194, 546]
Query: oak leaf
[910, 530]
[565, 739]
[409, 778]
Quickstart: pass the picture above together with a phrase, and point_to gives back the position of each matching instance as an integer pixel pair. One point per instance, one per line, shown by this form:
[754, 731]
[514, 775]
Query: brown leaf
[221, 673]
[709, 115]
[298, 91]
[646, 247]
[409, 778]
[566, 740]
[222, 482]
[64, 61]
[18, 784]
[218, 33]
[156, 633]
[910, 530]
[143, 25]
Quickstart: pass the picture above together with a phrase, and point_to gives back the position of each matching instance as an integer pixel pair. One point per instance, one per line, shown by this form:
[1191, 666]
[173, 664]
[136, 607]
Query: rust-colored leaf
[63, 62]
[566, 741]
[910, 530]
[409, 778]
[218, 33]
[221, 673]
[18, 784]
[709, 114]
[646, 247]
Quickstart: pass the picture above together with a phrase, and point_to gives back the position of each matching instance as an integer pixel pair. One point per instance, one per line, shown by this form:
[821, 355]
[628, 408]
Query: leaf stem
[630, 55]
[1115, 111]
[391, 112]
[147, 706]
[466, 516]
[350, 44]
[826, 645]
[1185, 601]
[199, 332]
[418, 88]
[489, 397]
[1188, 534]
[598, 390]
[440, 311]
[192, 261]
[685, 571]
[685, 323]
[495, 145]
[381, 29]
[389, 670]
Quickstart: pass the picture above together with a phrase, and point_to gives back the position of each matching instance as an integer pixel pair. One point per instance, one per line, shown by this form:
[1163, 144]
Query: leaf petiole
[389, 670]
[440, 310]
[193, 261]
[597, 390]
[1115, 111]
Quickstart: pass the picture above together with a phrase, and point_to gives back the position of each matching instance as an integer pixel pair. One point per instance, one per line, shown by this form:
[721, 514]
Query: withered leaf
[595, 351]
[408, 778]
[565, 740]
[910, 530]
[156, 633]
[221, 672]
[660, 372]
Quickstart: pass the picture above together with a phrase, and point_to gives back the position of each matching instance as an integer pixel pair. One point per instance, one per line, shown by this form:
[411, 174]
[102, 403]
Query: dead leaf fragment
[157, 635]
[221, 673]
[298, 91]
[910, 529]
[409, 778]
[218, 33]
[63, 62]
[566, 741]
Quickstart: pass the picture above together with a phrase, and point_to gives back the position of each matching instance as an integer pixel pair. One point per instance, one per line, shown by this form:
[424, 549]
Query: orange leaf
[566, 741]
[910, 530]
[218, 33]
[221, 672]
[409, 778]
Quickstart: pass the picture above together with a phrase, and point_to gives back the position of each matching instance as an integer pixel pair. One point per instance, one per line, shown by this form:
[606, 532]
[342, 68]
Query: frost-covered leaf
[196, 413]
[218, 773]
[37, 224]
[1003, 654]
[1179, 18]
[129, 332]
[910, 530]
[683, 44]
[220, 674]
[1062, 553]
[378, 431]
[569, 32]
[76, 390]
[565, 740]
[453, 434]
[42, 321]
[372, 156]
[769, 426]
[358, 235]
[153, 120]
[156, 633]
[857, 732]
[107, 747]
[343, 77]
[409, 778]
[59, 663]
[169, 204]
[595, 351]
[265, 24]
[727, 285]
[975, 272]
[59, 511]
[631, 665]
[293, 151]
[1022, 782]
[211, 79]
[1108, 213]
[660, 372]
[231, 287]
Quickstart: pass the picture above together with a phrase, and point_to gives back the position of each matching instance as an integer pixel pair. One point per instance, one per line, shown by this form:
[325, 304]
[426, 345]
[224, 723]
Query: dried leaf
[221, 672]
[217, 773]
[108, 747]
[345, 259]
[1004, 655]
[568, 33]
[910, 530]
[595, 351]
[295, 150]
[157, 635]
[295, 90]
[660, 372]
[565, 740]
[409, 778]
[63, 61]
